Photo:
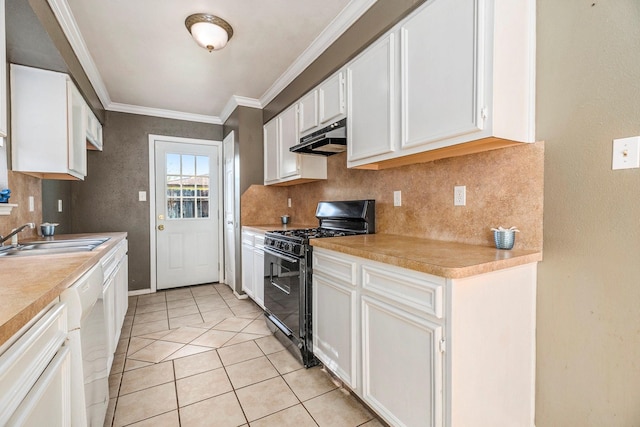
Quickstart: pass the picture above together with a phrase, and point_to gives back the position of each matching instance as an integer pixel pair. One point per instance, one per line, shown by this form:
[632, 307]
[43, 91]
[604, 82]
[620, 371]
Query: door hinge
[443, 345]
[484, 113]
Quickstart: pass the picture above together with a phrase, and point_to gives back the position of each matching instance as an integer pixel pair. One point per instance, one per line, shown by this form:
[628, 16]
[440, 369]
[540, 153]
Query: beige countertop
[28, 284]
[445, 259]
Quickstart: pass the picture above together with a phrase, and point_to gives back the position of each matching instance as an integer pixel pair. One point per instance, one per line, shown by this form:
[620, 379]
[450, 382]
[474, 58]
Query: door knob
[161, 227]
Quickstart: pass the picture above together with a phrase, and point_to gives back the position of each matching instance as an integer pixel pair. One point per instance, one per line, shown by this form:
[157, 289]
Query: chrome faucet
[16, 231]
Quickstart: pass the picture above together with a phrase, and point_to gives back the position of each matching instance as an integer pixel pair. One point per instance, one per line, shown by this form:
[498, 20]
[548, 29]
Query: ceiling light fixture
[209, 31]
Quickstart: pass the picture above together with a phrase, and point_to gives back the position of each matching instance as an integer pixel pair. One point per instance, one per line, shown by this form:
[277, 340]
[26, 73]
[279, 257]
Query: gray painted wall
[588, 336]
[52, 191]
[108, 198]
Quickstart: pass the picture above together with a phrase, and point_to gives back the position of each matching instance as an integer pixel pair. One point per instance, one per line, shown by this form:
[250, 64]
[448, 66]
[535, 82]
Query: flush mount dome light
[209, 31]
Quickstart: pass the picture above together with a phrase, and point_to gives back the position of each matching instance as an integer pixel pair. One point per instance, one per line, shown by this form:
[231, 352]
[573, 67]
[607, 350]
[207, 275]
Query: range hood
[324, 142]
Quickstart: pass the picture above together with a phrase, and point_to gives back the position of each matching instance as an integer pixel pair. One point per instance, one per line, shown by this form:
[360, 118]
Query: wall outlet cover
[626, 153]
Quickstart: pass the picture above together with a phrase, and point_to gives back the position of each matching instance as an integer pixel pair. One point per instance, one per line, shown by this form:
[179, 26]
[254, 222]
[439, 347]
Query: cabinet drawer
[248, 238]
[28, 357]
[110, 261]
[259, 241]
[415, 290]
[331, 266]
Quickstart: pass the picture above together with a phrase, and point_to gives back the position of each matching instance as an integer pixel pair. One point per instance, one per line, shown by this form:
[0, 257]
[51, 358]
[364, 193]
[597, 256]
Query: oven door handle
[288, 292]
[273, 283]
[279, 255]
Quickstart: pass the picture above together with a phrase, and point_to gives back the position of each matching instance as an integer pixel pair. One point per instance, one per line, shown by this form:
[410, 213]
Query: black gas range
[287, 286]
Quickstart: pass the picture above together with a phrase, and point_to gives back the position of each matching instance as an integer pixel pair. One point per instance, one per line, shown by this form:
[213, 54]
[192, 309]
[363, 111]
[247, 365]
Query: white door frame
[152, 200]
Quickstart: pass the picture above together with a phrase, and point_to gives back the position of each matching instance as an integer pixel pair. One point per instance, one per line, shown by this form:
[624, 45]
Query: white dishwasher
[88, 343]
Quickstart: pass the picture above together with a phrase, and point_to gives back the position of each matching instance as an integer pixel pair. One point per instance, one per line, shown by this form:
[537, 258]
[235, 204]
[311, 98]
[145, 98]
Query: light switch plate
[142, 196]
[397, 198]
[59, 205]
[626, 153]
[32, 205]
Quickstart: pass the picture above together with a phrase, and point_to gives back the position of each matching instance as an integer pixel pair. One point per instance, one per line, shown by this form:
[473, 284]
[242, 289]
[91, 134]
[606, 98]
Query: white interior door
[229, 211]
[187, 228]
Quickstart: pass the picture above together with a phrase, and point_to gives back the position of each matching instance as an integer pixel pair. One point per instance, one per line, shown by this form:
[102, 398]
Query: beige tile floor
[199, 356]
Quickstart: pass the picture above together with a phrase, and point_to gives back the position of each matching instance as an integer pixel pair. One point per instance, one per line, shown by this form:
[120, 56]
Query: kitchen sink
[52, 247]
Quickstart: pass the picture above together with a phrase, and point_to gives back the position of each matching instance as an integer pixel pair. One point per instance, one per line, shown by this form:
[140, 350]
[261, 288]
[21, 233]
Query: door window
[187, 186]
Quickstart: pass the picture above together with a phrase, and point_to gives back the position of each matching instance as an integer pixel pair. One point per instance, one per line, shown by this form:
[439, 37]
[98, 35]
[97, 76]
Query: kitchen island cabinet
[455, 348]
[455, 77]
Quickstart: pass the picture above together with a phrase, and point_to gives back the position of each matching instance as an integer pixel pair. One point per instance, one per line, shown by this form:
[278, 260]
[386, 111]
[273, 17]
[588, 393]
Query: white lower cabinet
[35, 374]
[258, 270]
[334, 327]
[422, 350]
[253, 265]
[115, 295]
[409, 393]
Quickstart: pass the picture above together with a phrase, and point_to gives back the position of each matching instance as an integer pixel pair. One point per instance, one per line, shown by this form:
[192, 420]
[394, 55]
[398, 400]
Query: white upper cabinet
[440, 81]
[308, 112]
[373, 101]
[3, 77]
[271, 152]
[465, 83]
[94, 131]
[48, 124]
[331, 94]
[324, 105]
[281, 166]
[288, 137]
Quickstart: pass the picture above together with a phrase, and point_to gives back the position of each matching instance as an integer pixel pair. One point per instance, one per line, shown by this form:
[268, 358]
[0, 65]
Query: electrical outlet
[142, 196]
[459, 195]
[626, 153]
[59, 205]
[397, 198]
[289, 202]
[32, 205]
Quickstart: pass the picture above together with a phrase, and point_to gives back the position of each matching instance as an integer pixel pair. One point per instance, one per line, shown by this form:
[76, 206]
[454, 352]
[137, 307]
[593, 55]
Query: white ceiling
[140, 57]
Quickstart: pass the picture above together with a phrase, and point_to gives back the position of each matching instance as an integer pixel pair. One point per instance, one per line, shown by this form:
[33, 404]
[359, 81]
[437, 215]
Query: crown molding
[354, 10]
[158, 112]
[234, 102]
[350, 14]
[63, 14]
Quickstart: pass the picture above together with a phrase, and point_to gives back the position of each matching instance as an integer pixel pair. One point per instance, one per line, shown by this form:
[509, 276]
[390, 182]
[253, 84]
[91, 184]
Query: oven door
[282, 286]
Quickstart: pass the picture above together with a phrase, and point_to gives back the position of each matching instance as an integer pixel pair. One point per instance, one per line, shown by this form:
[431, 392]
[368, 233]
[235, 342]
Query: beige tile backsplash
[504, 188]
[22, 186]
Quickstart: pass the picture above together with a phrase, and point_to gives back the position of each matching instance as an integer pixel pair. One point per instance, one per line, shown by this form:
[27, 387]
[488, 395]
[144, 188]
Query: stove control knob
[286, 246]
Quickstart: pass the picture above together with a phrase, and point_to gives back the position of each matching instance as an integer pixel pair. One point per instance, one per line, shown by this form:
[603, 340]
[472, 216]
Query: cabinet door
[121, 289]
[109, 301]
[77, 131]
[401, 364]
[288, 137]
[49, 401]
[258, 275]
[334, 327]
[308, 111]
[248, 281]
[332, 105]
[372, 101]
[271, 151]
[441, 81]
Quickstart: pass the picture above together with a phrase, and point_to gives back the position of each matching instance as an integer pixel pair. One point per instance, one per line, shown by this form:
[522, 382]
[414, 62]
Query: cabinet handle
[161, 227]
